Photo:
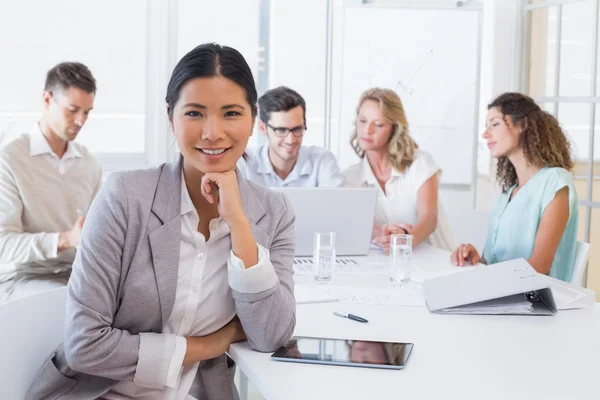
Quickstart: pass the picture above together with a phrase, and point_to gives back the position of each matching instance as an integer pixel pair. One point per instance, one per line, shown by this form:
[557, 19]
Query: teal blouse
[514, 223]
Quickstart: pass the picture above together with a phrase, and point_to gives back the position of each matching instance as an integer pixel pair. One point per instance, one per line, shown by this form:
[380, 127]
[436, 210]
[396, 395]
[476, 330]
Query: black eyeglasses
[283, 132]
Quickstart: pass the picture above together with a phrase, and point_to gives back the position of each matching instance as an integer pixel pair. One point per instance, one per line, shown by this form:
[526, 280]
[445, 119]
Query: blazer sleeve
[92, 345]
[269, 317]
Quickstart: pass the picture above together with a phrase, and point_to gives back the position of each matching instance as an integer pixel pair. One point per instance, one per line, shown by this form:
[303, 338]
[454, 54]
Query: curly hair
[543, 141]
[401, 147]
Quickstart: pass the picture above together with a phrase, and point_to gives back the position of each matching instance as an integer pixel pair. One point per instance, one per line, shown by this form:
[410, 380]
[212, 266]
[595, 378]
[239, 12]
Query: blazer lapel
[253, 209]
[165, 239]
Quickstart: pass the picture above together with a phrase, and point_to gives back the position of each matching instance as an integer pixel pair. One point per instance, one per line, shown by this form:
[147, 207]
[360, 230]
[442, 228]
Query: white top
[315, 167]
[203, 304]
[39, 198]
[398, 204]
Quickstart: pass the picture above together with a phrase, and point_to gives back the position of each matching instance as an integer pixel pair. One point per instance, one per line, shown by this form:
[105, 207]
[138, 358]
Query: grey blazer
[124, 280]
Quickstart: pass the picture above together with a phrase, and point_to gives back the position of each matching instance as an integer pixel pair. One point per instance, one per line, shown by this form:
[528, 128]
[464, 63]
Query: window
[115, 130]
[297, 58]
[232, 23]
[560, 73]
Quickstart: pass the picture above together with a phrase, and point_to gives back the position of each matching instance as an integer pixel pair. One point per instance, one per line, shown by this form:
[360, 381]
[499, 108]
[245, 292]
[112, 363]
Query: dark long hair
[208, 60]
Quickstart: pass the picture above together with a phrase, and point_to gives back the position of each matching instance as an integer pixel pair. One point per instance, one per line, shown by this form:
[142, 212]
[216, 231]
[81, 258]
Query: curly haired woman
[535, 217]
[406, 177]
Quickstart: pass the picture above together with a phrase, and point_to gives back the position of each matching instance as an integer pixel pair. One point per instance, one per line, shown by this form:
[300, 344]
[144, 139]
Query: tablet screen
[358, 353]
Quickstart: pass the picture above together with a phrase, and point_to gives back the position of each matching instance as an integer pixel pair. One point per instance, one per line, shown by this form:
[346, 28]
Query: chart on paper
[398, 296]
[434, 73]
[343, 266]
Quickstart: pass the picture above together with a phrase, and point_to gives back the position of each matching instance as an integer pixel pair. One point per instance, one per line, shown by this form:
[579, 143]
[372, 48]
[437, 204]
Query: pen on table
[349, 316]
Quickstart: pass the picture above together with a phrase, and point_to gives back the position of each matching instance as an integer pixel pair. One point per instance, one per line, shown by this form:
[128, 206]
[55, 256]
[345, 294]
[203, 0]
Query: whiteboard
[430, 57]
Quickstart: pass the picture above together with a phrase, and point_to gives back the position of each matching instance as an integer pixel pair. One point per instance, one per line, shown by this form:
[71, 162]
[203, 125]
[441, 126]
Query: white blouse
[398, 204]
[203, 304]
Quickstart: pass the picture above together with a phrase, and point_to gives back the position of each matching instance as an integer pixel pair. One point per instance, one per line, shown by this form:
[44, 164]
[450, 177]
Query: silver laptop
[348, 212]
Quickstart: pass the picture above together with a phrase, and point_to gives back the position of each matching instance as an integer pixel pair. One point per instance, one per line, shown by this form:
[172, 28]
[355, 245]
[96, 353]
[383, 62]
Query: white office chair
[31, 327]
[582, 251]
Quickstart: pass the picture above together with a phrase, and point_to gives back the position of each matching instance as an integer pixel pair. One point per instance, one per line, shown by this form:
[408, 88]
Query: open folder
[511, 287]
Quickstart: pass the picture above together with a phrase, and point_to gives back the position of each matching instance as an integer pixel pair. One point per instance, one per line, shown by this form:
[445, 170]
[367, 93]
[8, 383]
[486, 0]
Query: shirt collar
[395, 172]
[39, 145]
[264, 164]
[72, 151]
[186, 201]
[367, 175]
[304, 164]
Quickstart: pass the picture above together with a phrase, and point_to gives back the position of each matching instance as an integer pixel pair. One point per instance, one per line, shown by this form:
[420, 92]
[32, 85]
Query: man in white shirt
[283, 161]
[47, 183]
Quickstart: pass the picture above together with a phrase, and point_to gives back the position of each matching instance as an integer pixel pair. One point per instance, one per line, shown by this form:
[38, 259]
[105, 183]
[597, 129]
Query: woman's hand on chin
[223, 188]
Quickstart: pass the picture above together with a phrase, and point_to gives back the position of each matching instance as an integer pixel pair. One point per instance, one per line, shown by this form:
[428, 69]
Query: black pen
[349, 316]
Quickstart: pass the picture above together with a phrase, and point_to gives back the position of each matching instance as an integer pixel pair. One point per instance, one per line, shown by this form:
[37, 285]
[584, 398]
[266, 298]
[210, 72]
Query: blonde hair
[401, 147]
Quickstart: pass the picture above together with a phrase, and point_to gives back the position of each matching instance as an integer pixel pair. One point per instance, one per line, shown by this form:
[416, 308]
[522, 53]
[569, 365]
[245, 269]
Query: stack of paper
[569, 296]
[343, 266]
[516, 304]
[306, 294]
[401, 296]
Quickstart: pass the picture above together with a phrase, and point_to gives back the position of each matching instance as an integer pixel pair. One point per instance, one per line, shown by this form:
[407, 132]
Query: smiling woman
[212, 116]
[187, 258]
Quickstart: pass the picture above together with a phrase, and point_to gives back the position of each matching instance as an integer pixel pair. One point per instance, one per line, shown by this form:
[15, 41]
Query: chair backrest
[470, 226]
[31, 327]
[582, 251]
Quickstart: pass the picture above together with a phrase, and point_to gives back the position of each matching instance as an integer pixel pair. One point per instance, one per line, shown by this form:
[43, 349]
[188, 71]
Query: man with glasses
[47, 183]
[283, 161]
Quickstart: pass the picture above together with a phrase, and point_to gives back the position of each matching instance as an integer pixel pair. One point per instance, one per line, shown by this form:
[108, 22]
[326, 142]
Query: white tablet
[351, 353]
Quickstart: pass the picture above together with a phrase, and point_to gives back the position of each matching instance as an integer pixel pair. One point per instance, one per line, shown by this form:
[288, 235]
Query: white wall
[36, 35]
[500, 72]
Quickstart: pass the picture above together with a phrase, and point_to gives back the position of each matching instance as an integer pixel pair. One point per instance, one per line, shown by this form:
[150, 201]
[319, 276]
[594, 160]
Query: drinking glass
[400, 252]
[324, 257]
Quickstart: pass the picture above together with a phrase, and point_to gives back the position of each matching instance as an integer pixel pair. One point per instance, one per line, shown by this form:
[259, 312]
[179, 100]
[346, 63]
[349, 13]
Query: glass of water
[400, 252]
[324, 257]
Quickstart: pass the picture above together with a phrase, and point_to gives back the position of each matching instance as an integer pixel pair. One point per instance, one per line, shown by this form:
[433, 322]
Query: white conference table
[455, 356]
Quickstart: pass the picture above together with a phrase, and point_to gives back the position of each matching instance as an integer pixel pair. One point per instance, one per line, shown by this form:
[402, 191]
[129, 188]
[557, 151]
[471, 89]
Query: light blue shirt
[315, 167]
[514, 223]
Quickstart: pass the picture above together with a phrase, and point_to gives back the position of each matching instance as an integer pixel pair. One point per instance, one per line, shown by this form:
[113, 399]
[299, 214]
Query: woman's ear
[170, 116]
[519, 127]
[524, 125]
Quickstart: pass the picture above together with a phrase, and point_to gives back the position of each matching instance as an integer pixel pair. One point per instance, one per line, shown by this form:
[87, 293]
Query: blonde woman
[407, 178]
